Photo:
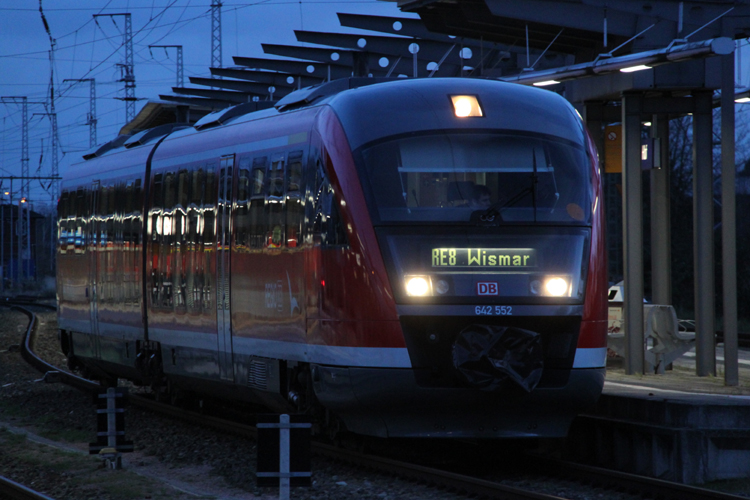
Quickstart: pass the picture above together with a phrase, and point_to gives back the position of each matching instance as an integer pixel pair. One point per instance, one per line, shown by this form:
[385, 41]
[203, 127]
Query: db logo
[486, 288]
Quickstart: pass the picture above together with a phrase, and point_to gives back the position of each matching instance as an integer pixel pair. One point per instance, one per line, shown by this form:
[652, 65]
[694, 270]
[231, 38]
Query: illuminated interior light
[557, 287]
[466, 105]
[741, 99]
[646, 124]
[632, 69]
[545, 83]
[417, 286]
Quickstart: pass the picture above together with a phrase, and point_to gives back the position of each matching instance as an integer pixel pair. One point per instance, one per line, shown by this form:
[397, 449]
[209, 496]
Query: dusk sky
[89, 49]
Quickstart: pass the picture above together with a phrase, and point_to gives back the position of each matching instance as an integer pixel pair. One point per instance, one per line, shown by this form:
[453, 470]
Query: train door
[224, 268]
[93, 256]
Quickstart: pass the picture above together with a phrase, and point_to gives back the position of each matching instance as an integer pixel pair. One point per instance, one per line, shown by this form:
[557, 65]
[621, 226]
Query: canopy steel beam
[246, 87]
[387, 46]
[350, 58]
[223, 95]
[268, 77]
[318, 70]
[198, 102]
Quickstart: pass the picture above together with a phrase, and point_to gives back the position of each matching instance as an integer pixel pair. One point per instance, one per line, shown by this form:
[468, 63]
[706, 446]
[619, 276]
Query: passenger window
[275, 234]
[294, 175]
[194, 262]
[294, 202]
[242, 215]
[257, 221]
[209, 235]
[327, 222]
[62, 228]
[276, 176]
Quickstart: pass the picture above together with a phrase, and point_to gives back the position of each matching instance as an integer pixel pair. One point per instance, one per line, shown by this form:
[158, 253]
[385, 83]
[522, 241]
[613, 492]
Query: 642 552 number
[493, 310]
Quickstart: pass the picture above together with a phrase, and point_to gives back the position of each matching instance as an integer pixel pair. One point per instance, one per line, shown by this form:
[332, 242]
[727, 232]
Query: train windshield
[471, 177]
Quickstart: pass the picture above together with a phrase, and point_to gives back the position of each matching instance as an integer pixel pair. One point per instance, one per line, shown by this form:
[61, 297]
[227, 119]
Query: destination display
[502, 258]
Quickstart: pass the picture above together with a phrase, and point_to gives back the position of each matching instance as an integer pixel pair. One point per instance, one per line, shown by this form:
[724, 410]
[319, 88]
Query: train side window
[209, 236]
[242, 215]
[179, 242]
[257, 226]
[294, 202]
[80, 206]
[194, 264]
[274, 210]
[294, 172]
[327, 219]
[259, 175]
[183, 189]
[62, 224]
[167, 242]
[156, 206]
[276, 176]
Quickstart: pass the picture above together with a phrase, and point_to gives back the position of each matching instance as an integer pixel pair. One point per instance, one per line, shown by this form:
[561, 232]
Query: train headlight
[466, 105]
[556, 287]
[418, 286]
[550, 286]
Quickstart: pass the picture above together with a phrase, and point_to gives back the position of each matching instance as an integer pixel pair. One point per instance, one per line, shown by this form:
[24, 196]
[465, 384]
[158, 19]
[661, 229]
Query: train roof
[372, 108]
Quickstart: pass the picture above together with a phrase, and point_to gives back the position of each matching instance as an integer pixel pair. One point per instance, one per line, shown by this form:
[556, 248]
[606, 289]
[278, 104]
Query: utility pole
[126, 70]
[54, 193]
[180, 67]
[216, 59]
[91, 118]
[23, 224]
[55, 170]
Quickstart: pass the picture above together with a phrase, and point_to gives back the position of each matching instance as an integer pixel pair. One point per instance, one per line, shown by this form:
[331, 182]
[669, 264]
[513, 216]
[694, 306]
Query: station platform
[674, 426]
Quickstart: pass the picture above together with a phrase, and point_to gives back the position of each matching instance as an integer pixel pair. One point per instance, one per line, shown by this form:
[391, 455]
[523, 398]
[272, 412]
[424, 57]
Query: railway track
[439, 478]
[11, 490]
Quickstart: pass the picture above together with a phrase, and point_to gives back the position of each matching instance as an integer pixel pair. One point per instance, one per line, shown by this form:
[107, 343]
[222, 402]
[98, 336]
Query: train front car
[484, 200]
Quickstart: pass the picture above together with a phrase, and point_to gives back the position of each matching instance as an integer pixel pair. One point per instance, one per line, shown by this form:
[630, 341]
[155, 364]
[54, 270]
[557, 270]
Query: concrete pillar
[661, 236]
[728, 222]
[632, 223]
[703, 241]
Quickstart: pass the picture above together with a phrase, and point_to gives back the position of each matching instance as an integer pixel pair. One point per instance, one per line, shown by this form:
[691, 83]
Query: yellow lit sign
[484, 257]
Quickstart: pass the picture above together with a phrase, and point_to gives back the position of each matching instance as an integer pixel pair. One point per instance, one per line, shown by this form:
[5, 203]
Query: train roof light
[466, 105]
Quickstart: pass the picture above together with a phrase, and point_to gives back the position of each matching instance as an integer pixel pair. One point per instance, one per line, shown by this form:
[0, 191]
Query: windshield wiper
[494, 212]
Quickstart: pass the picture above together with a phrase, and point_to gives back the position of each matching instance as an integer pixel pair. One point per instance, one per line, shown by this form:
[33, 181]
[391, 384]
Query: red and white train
[417, 258]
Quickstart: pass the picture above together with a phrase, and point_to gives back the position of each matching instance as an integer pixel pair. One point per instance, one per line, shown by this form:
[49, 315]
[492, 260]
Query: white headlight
[557, 287]
[417, 286]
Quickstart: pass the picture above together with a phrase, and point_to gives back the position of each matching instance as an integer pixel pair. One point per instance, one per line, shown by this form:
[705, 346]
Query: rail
[11, 490]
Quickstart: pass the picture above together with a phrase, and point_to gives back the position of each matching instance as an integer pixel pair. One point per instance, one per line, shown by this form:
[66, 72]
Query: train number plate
[493, 310]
